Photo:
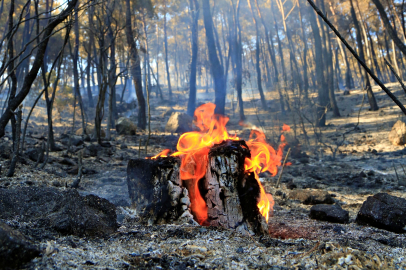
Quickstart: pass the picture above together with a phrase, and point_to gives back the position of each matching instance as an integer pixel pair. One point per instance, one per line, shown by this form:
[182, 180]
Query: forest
[170, 134]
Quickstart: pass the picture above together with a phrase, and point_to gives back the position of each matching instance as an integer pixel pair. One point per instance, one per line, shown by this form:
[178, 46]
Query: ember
[193, 150]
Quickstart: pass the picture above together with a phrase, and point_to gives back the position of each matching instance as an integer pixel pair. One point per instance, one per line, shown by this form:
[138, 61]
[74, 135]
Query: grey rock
[167, 113]
[15, 249]
[179, 123]
[397, 136]
[6, 149]
[327, 212]
[125, 126]
[33, 154]
[311, 196]
[384, 211]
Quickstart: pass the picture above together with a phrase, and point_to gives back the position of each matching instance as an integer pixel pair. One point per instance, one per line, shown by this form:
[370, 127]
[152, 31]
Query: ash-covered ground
[350, 168]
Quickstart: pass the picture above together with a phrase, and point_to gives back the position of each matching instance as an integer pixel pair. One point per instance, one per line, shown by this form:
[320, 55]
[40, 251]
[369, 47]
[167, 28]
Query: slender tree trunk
[389, 29]
[194, 8]
[217, 70]
[166, 54]
[75, 68]
[135, 68]
[321, 88]
[371, 98]
[257, 60]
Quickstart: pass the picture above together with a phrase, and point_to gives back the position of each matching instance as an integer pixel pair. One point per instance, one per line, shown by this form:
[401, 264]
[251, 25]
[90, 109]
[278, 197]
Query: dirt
[350, 167]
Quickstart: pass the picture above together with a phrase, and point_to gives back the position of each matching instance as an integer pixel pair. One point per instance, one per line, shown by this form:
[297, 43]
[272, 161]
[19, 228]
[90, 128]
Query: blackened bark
[215, 66]
[257, 60]
[371, 98]
[135, 68]
[166, 55]
[191, 106]
[75, 68]
[321, 89]
[390, 30]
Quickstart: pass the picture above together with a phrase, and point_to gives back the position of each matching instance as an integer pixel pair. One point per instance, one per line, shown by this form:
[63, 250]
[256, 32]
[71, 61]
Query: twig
[139, 149]
[397, 176]
[283, 166]
[403, 168]
[396, 75]
[357, 57]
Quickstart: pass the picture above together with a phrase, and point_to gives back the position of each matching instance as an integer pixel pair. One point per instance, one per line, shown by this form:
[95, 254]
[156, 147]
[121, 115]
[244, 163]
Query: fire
[193, 149]
[164, 153]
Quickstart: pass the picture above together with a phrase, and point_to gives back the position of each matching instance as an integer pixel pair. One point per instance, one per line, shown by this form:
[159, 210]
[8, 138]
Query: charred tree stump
[231, 194]
[155, 190]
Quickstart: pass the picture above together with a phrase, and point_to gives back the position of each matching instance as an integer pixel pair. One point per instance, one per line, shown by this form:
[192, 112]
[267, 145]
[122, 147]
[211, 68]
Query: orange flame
[193, 149]
[164, 153]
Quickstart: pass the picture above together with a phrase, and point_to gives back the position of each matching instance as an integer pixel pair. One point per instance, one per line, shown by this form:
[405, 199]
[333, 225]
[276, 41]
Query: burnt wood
[230, 193]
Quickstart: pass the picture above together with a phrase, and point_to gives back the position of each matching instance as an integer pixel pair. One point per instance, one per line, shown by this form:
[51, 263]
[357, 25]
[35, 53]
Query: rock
[168, 113]
[33, 154]
[346, 93]
[15, 250]
[93, 149]
[125, 126]
[75, 140]
[6, 149]
[331, 213]
[64, 212]
[179, 123]
[397, 136]
[311, 196]
[90, 130]
[384, 211]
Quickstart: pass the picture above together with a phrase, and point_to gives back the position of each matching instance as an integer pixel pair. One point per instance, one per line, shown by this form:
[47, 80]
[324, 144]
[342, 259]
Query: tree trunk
[36, 65]
[215, 66]
[321, 87]
[194, 8]
[257, 60]
[168, 77]
[135, 68]
[390, 30]
[371, 98]
[75, 68]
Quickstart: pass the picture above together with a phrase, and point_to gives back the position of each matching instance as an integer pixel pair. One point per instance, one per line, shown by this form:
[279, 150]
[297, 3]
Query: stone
[179, 123]
[311, 196]
[346, 93]
[125, 126]
[75, 140]
[331, 213]
[93, 149]
[384, 211]
[64, 212]
[33, 154]
[397, 136]
[168, 113]
[6, 149]
[90, 130]
[15, 249]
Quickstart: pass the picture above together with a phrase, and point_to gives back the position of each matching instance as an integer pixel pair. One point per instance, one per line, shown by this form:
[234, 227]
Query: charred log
[155, 190]
[230, 194]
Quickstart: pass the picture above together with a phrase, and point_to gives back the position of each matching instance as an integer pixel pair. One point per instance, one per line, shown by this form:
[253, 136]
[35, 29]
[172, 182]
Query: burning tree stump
[231, 195]
[155, 190]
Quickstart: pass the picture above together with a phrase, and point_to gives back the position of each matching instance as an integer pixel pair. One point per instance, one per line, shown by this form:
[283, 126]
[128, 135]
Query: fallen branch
[389, 93]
